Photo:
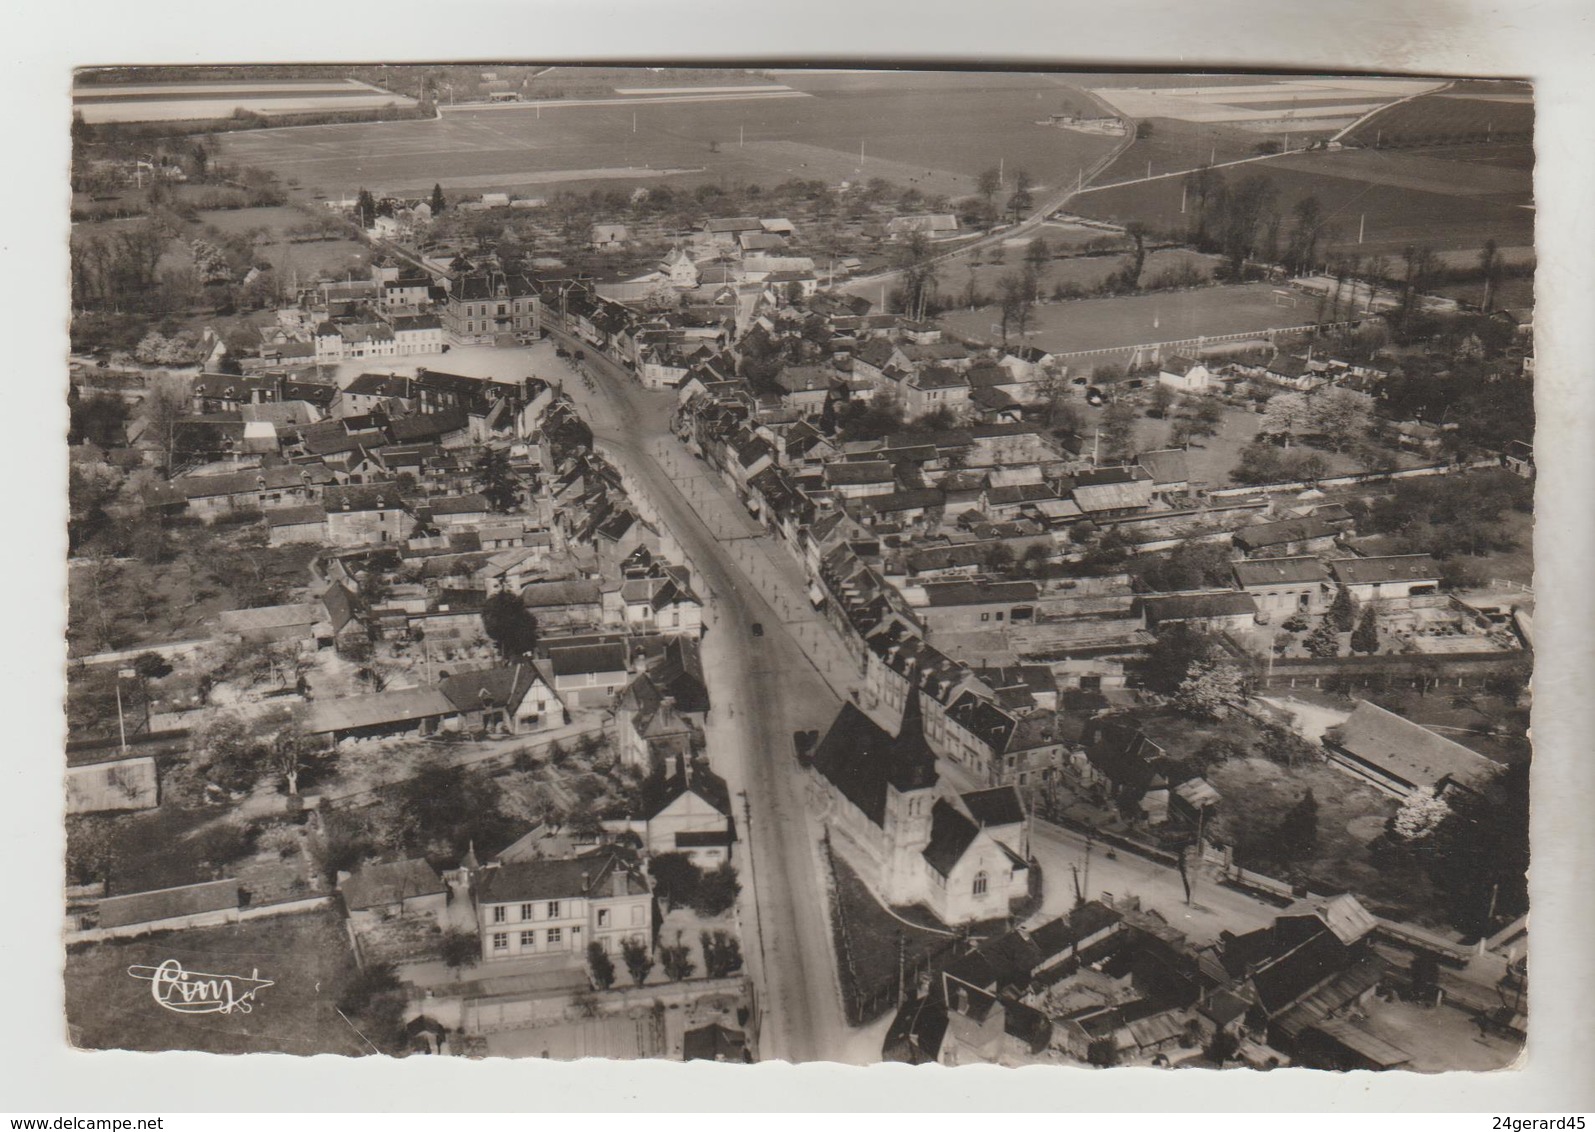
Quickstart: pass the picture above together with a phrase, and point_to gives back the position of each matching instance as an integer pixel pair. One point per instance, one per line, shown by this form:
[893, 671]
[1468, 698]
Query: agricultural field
[937, 140]
[204, 101]
[1473, 112]
[1138, 320]
[1265, 107]
[306, 957]
[1453, 199]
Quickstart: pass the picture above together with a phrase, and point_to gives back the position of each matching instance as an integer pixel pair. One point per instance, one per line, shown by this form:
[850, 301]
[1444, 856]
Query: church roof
[862, 759]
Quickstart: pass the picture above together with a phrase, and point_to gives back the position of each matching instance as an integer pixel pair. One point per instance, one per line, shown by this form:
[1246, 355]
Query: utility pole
[1362, 221]
[121, 722]
[1183, 189]
[741, 133]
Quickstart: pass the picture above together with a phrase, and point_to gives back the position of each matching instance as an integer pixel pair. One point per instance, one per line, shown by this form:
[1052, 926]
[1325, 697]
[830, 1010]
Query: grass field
[943, 135]
[1082, 271]
[306, 957]
[1447, 202]
[1107, 324]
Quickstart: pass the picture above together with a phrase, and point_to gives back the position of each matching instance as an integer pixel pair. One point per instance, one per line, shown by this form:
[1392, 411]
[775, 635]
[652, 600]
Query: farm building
[413, 710]
[396, 888]
[1391, 576]
[1401, 757]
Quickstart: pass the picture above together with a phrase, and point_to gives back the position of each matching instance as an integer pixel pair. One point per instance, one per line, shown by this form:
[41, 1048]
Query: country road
[762, 689]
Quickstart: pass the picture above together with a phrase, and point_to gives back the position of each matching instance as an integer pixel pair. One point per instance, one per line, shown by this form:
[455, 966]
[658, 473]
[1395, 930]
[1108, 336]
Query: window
[501, 941]
[999, 616]
[980, 883]
[985, 617]
[1090, 683]
[528, 940]
[498, 913]
[603, 917]
[636, 914]
[553, 909]
[556, 936]
[526, 911]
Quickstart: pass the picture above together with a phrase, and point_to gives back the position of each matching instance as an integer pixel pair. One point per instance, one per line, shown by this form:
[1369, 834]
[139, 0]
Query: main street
[762, 689]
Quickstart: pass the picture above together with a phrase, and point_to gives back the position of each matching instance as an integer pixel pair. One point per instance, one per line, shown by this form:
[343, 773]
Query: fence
[1355, 478]
[1421, 670]
[523, 1011]
[197, 920]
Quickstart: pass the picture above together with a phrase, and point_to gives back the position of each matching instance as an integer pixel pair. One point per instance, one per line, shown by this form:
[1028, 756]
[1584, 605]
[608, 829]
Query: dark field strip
[225, 95]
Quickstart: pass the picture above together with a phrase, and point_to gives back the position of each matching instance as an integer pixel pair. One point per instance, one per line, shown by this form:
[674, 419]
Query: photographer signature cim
[194, 992]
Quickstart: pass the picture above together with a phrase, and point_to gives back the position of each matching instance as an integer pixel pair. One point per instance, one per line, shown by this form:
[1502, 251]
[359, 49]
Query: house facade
[557, 907]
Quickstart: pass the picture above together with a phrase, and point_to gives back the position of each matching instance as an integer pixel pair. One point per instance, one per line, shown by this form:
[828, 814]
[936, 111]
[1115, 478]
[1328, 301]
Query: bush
[600, 967]
[224, 843]
[717, 891]
[676, 879]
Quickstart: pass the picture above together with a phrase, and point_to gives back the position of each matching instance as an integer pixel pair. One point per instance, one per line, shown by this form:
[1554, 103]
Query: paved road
[763, 689]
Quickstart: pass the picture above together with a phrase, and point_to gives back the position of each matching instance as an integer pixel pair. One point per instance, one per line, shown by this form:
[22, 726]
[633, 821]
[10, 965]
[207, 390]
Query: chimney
[618, 882]
[586, 880]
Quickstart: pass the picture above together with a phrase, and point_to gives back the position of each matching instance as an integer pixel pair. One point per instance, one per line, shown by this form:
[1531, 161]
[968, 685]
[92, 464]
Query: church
[962, 856]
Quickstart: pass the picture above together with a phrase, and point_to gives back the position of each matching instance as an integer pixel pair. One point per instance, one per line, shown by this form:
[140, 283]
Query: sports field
[1108, 324]
[1454, 198]
[938, 139]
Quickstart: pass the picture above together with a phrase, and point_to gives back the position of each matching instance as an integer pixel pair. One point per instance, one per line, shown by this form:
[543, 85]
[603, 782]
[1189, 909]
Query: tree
[999, 558]
[228, 752]
[1490, 270]
[600, 967]
[675, 878]
[1117, 431]
[1021, 201]
[90, 850]
[163, 410]
[1338, 416]
[509, 624]
[1017, 299]
[151, 666]
[1163, 398]
[496, 480]
[438, 202]
[1209, 687]
[1286, 415]
[1481, 856]
[1297, 835]
[677, 959]
[365, 209]
[1324, 641]
[1131, 276]
[99, 419]
[1170, 658]
[1342, 611]
[1037, 253]
[1420, 815]
[717, 891]
[290, 749]
[460, 949]
[1365, 638]
[987, 185]
[639, 962]
[722, 953]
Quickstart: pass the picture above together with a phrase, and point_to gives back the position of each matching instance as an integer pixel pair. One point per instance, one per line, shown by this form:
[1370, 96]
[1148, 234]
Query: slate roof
[271, 617]
[861, 759]
[1280, 571]
[951, 834]
[564, 879]
[502, 686]
[944, 594]
[167, 903]
[362, 497]
[859, 472]
[1260, 535]
[998, 806]
[1167, 466]
[471, 504]
[394, 882]
[578, 659]
[573, 591]
[1391, 568]
[1286, 979]
[379, 709]
[1183, 607]
[1407, 751]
